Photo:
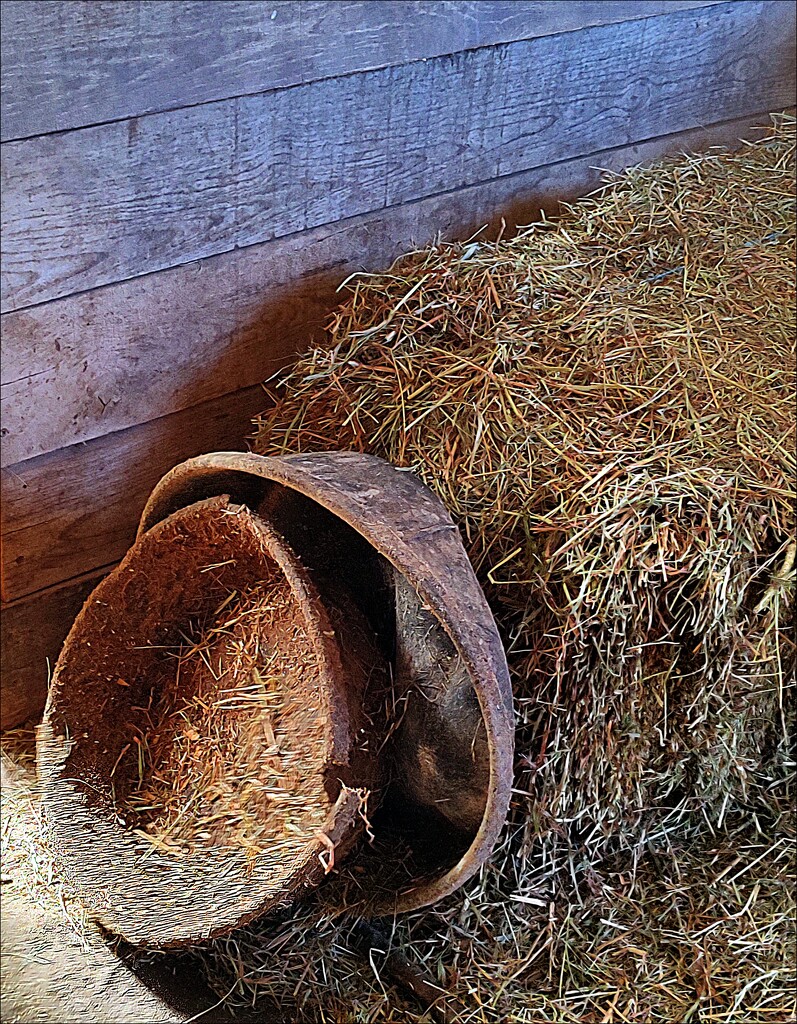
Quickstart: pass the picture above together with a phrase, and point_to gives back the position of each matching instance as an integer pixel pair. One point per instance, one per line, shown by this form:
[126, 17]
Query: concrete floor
[47, 975]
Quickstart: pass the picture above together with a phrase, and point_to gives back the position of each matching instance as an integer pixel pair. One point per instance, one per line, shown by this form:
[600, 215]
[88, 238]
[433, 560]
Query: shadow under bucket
[294, 653]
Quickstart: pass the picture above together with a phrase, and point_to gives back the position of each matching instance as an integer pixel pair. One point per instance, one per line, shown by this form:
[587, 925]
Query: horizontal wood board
[69, 64]
[33, 631]
[86, 208]
[109, 359]
[74, 509]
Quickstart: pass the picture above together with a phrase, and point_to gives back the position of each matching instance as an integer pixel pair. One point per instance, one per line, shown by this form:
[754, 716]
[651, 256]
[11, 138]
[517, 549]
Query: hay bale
[605, 405]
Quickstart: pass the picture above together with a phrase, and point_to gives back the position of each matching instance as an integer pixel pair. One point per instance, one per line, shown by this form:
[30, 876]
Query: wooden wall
[184, 185]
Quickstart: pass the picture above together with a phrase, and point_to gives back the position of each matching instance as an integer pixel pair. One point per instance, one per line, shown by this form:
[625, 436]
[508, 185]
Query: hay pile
[606, 406]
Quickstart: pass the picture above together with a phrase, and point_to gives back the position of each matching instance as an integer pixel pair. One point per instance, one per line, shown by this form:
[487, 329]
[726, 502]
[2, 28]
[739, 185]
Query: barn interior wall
[185, 185]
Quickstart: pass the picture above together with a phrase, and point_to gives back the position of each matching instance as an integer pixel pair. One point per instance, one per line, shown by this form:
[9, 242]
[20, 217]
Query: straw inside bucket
[227, 758]
[198, 732]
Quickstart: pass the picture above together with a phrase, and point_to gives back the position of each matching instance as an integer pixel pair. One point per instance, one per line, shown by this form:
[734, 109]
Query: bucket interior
[195, 724]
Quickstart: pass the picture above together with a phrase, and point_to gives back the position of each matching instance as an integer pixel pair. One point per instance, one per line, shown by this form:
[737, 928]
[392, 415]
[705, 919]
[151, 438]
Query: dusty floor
[57, 969]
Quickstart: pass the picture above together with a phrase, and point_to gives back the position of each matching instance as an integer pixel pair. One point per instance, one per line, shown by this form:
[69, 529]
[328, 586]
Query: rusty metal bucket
[379, 548]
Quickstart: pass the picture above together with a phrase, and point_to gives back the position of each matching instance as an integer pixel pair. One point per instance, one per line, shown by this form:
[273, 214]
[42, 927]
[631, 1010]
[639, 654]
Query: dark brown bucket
[382, 554]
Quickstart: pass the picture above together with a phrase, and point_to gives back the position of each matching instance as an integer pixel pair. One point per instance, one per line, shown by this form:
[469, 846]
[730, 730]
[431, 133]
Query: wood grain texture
[33, 630]
[86, 208]
[70, 64]
[101, 362]
[76, 509]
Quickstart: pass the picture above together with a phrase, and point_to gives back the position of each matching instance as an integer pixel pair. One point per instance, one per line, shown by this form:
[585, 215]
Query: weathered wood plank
[98, 205]
[91, 364]
[33, 630]
[560, 96]
[73, 510]
[103, 204]
[70, 64]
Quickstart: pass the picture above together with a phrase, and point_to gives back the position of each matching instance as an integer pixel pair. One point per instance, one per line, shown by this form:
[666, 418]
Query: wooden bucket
[390, 544]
